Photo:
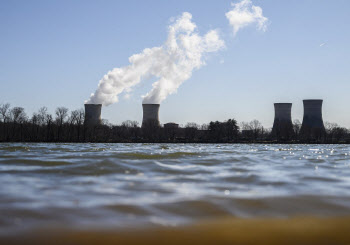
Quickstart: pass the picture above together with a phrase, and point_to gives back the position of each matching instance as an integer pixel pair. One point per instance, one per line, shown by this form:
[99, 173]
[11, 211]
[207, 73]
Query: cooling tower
[150, 114]
[282, 125]
[312, 121]
[92, 114]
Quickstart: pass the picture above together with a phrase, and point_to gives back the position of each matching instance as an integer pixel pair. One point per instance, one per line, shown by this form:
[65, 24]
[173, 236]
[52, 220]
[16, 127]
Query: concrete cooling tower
[282, 125]
[92, 114]
[150, 114]
[312, 122]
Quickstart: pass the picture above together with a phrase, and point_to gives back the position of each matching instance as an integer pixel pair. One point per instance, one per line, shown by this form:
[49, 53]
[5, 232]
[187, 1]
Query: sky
[54, 53]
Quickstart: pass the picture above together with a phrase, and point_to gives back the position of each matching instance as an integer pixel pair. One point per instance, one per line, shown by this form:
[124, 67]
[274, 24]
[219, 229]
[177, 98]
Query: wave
[172, 155]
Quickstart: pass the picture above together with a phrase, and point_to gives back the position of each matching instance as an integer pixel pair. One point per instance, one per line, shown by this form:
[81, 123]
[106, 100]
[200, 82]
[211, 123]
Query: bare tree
[255, 124]
[245, 126]
[296, 126]
[42, 114]
[80, 118]
[73, 117]
[330, 126]
[192, 125]
[334, 132]
[4, 112]
[35, 119]
[61, 114]
[338, 134]
[257, 127]
[18, 115]
[48, 119]
[130, 124]
[4, 115]
[106, 122]
[204, 126]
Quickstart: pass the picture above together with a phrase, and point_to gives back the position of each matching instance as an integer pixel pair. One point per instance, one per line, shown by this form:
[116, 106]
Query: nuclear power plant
[150, 114]
[282, 125]
[92, 114]
[312, 125]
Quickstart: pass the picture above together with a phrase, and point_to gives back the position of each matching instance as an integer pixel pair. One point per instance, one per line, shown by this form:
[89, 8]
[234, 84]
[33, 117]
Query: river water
[133, 185]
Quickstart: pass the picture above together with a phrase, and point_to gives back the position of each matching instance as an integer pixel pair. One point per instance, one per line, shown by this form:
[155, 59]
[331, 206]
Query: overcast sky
[54, 53]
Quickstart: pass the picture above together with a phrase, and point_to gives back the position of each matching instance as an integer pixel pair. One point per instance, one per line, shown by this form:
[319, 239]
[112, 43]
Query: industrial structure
[150, 115]
[92, 114]
[171, 125]
[282, 125]
[312, 125]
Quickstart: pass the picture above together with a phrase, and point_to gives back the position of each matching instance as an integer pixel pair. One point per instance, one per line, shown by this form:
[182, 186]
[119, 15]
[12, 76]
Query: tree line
[68, 126]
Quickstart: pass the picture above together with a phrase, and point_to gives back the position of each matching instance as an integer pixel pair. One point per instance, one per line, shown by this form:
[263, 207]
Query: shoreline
[180, 142]
[227, 230]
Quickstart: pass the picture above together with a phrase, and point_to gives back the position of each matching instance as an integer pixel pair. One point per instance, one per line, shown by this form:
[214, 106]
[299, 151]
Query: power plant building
[92, 114]
[282, 125]
[312, 125]
[171, 125]
[150, 115]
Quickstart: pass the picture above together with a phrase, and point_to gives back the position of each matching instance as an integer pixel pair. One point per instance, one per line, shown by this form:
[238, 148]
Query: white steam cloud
[172, 63]
[245, 13]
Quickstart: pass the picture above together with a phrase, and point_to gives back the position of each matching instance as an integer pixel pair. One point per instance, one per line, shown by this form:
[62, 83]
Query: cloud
[172, 64]
[322, 44]
[127, 96]
[244, 13]
[184, 53]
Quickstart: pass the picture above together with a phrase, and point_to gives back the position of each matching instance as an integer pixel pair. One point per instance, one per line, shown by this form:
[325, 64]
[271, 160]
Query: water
[133, 185]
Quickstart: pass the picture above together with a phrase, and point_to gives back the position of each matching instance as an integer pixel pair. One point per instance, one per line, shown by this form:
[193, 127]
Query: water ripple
[169, 183]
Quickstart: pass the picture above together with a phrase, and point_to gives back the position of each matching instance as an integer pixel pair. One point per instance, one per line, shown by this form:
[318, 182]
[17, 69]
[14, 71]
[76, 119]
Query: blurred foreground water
[167, 185]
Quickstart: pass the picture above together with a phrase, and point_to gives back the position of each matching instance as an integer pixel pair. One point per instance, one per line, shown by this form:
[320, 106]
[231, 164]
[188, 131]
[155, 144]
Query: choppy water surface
[126, 185]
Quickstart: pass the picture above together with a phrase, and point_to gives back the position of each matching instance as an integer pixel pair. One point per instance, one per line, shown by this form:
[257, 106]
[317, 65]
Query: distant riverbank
[16, 126]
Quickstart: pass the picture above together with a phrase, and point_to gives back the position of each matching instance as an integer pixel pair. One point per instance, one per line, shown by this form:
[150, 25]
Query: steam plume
[172, 63]
[245, 13]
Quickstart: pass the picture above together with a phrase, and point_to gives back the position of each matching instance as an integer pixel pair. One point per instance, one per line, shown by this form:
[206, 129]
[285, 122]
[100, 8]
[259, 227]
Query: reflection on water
[128, 185]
